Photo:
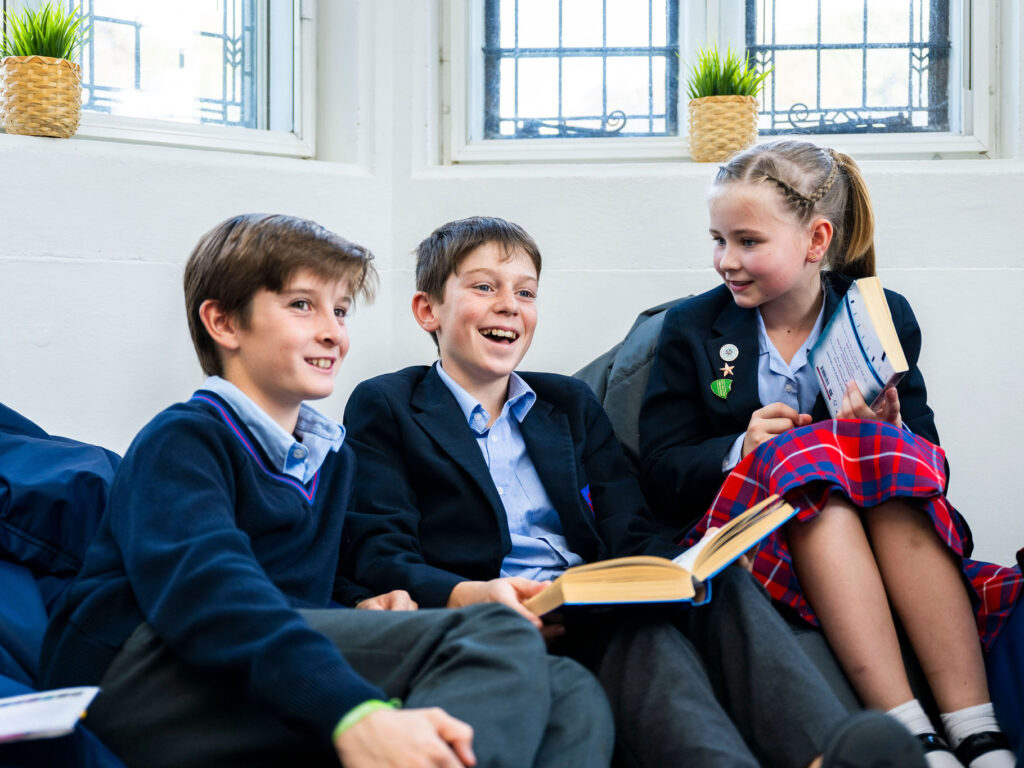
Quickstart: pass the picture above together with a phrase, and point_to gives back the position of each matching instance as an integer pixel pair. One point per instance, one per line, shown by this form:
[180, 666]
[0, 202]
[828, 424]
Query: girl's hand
[772, 420]
[854, 407]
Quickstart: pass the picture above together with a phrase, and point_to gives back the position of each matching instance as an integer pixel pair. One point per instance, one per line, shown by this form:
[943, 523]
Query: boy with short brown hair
[479, 484]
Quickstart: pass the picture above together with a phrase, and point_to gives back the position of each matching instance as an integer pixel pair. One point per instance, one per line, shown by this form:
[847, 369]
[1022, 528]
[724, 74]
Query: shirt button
[494, 438]
[298, 453]
[501, 491]
[789, 388]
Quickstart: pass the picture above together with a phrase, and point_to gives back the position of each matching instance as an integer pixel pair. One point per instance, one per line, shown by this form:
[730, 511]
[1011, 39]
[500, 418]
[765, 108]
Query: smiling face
[291, 346]
[486, 321]
[766, 257]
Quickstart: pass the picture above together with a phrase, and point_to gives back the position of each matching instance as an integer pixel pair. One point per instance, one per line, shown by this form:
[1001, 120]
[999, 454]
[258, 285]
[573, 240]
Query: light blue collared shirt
[299, 458]
[793, 383]
[539, 548]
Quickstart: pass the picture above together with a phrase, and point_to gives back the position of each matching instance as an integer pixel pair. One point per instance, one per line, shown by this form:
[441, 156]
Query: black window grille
[121, 69]
[863, 67]
[603, 81]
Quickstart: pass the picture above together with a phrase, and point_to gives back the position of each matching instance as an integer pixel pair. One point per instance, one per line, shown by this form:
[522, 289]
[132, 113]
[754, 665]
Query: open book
[643, 579]
[43, 714]
[859, 344]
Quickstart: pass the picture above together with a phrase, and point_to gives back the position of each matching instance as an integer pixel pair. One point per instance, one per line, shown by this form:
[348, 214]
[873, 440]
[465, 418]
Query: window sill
[676, 149]
[210, 137]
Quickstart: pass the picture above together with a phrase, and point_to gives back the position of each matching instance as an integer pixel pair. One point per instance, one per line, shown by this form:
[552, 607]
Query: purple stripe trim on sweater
[309, 495]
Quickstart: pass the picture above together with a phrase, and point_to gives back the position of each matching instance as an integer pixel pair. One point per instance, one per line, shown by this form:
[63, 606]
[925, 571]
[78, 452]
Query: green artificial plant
[728, 75]
[46, 31]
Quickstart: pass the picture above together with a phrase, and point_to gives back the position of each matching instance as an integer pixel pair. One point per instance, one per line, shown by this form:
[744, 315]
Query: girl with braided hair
[732, 413]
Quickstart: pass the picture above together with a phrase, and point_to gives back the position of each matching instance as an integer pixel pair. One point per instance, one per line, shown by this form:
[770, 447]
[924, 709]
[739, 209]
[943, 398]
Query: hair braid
[841, 196]
[826, 185]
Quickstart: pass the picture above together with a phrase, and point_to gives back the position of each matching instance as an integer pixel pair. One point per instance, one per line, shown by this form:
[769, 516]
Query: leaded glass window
[192, 61]
[571, 68]
[852, 66]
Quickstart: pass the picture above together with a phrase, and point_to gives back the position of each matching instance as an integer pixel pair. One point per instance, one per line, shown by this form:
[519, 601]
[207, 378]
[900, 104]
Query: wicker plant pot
[720, 126]
[40, 96]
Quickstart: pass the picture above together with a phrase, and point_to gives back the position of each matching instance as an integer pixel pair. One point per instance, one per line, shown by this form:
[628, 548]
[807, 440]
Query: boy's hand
[772, 420]
[407, 738]
[854, 407]
[396, 600]
[510, 591]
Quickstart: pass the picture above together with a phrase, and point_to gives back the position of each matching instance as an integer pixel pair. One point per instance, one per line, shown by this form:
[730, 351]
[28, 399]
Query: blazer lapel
[737, 327]
[549, 443]
[437, 412]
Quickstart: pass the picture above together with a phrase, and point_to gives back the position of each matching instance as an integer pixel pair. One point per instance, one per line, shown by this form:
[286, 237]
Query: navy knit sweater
[215, 550]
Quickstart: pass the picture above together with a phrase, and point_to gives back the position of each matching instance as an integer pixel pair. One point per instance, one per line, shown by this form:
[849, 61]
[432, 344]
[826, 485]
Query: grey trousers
[725, 685]
[484, 665]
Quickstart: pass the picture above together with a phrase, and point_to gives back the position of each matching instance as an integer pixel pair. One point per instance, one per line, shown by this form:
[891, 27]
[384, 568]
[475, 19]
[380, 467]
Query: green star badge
[721, 387]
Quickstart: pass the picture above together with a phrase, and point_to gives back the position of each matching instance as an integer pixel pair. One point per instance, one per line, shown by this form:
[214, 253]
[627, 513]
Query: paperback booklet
[859, 344]
[43, 714]
[645, 580]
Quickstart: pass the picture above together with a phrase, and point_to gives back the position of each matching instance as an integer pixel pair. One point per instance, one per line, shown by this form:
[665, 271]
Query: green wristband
[360, 711]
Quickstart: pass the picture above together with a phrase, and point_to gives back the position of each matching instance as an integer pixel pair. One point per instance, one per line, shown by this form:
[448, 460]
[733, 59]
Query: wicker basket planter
[40, 96]
[720, 126]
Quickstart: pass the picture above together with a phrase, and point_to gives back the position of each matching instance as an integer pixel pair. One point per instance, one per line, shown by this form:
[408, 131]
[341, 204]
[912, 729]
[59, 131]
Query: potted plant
[40, 85]
[723, 110]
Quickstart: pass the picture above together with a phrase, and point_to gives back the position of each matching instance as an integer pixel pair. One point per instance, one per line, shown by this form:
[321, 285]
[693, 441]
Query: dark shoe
[931, 742]
[977, 744]
[872, 740]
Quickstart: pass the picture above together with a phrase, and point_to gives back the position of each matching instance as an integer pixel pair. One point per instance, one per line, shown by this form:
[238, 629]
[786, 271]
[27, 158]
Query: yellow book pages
[878, 310]
[621, 580]
[644, 579]
[739, 535]
[858, 344]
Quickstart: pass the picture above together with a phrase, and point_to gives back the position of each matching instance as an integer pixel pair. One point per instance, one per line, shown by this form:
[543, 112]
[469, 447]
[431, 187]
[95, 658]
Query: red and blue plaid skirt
[868, 462]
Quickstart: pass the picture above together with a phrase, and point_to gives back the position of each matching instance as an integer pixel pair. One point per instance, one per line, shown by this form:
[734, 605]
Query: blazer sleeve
[380, 546]
[914, 408]
[681, 449]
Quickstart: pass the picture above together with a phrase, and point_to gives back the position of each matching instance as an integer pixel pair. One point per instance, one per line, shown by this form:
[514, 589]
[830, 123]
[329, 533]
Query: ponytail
[856, 256]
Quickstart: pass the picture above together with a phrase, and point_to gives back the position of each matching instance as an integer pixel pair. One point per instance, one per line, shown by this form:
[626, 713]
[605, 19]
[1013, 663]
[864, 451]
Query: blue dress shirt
[793, 383]
[299, 458]
[539, 548]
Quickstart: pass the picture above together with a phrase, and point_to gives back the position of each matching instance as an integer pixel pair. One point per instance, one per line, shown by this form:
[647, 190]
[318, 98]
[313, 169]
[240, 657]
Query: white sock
[912, 715]
[978, 719]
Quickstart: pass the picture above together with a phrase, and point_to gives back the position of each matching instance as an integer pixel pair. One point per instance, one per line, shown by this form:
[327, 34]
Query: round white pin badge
[729, 352]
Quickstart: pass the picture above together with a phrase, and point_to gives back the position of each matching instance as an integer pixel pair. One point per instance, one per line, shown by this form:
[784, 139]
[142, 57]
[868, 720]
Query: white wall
[93, 237]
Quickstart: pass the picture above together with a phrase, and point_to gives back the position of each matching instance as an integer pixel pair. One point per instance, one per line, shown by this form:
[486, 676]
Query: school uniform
[428, 514]
[686, 430]
[689, 437]
[203, 610]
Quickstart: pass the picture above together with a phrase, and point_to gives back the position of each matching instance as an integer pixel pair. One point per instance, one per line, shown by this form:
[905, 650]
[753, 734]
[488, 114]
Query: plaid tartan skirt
[868, 462]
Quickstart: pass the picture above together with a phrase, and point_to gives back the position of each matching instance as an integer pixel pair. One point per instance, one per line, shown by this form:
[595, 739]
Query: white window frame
[461, 107]
[300, 142]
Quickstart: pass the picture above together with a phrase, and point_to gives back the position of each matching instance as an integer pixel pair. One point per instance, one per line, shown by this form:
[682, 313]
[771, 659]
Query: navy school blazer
[425, 513]
[686, 430]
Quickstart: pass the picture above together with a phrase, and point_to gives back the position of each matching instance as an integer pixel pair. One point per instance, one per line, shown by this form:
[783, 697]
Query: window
[598, 80]
[852, 67]
[223, 74]
[594, 68]
[187, 61]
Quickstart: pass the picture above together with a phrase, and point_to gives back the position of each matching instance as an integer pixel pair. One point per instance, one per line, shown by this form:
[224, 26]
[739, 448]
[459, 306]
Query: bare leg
[927, 591]
[836, 568]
